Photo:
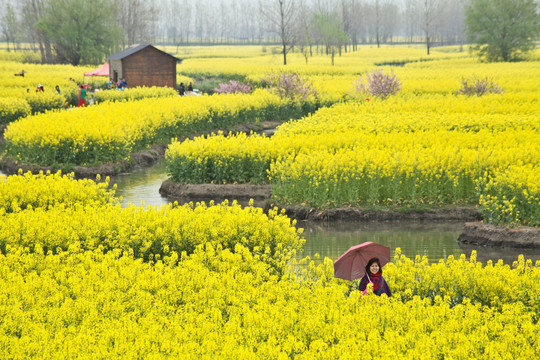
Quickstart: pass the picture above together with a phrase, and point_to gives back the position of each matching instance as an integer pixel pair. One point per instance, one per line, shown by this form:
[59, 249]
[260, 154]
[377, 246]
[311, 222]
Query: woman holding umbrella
[364, 261]
[374, 276]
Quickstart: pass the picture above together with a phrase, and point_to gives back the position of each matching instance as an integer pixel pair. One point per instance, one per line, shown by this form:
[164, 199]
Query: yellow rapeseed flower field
[198, 282]
[82, 277]
[426, 145]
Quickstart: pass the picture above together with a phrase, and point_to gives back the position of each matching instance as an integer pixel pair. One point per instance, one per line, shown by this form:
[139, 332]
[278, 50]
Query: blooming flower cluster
[233, 87]
[119, 284]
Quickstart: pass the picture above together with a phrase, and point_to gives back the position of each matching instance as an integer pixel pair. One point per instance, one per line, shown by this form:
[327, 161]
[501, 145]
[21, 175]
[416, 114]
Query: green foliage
[136, 93]
[192, 162]
[12, 109]
[81, 31]
[40, 102]
[331, 32]
[503, 30]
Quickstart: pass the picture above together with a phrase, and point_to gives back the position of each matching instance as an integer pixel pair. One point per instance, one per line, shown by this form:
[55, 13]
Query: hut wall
[149, 67]
[115, 66]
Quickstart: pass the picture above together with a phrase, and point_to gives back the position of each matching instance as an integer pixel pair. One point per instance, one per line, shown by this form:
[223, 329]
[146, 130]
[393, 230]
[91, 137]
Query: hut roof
[134, 49]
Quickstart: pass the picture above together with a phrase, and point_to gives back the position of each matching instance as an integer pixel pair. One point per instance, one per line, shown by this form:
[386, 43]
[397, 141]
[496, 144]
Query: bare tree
[32, 11]
[185, 25]
[410, 15]
[170, 19]
[359, 22]
[199, 16]
[281, 17]
[9, 23]
[248, 26]
[136, 18]
[378, 21]
[388, 20]
[453, 28]
[346, 20]
[351, 20]
[430, 13]
[305, 36]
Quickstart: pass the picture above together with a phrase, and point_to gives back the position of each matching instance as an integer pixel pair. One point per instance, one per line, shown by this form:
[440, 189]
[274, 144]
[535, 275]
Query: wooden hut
[143, 65]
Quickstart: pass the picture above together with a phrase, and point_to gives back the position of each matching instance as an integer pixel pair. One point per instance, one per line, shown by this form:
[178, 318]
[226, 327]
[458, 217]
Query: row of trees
[79, 30]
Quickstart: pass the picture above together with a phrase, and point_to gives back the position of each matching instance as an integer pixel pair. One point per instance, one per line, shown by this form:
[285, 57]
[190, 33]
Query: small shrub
[479, 87]
[378, 84]
[289, 86]
[233, 87]
[12, 109]
[40, 102]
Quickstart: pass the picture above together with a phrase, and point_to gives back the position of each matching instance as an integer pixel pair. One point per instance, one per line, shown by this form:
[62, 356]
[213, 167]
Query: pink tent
[103, 70]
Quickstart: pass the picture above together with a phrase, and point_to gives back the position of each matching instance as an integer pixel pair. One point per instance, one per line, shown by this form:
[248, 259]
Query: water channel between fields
[436, 240]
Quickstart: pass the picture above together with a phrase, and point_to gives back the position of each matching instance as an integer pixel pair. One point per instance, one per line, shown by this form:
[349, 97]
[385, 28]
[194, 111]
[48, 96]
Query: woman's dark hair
[370, 262]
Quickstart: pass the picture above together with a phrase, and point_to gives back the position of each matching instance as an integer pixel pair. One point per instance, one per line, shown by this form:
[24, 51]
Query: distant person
[82, 96]
[57, 88]
[190, 88]
[40, 88]
[122, 84]
[21, 73]
[111, 84]
[374, 276]
[181, 90]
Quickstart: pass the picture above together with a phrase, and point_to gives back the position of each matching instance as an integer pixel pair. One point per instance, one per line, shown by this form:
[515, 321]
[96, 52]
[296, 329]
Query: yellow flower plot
[414, 150]
[82, 277]
[111, 131]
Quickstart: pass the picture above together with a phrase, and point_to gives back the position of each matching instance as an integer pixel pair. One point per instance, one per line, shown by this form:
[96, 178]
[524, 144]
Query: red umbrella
[352, 264]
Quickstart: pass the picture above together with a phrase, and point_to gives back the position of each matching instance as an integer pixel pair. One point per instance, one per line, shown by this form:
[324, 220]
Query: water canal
[435, 240]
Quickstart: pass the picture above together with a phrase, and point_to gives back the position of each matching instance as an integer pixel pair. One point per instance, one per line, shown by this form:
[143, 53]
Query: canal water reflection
[435, 240]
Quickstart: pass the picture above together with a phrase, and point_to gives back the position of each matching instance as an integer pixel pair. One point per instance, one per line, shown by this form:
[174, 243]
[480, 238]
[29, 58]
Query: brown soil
[180, 192]
[144, 159]
[478, 233]
[388, 214]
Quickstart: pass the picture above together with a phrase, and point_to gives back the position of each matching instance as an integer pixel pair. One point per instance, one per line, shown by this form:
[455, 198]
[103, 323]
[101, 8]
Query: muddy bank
[144, 158]
[358, 214]
[174, 191]
[480, 234]
[261, 195]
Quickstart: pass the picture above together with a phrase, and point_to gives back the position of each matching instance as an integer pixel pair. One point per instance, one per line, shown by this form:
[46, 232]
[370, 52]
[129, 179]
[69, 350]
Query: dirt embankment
[478, 233]
[144, 159]
[261, 194]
